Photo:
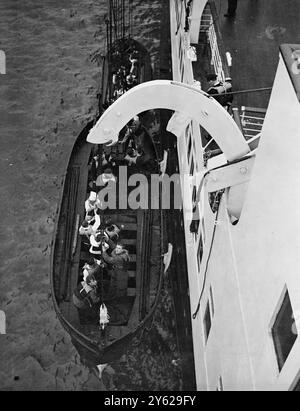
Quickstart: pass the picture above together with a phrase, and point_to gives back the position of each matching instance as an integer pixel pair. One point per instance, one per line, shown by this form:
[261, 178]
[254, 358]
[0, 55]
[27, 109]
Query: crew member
[134, 130]
[139, 151]
[113, 231]
[96, 244]
[106, 177]
[91, 204]
[133, 58]
[85, 295]
[220, 89]
[92, 267]
[131, 81]
[94, 166]
[119, 257]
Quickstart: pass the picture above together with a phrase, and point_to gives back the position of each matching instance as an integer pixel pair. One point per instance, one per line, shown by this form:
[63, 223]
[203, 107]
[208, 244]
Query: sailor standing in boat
[92, 267]
[138, 151]
[113, 231]
[131, 81]
[92, 203]
[85, 295]
[87, 229]
[119, 257]
[97, 243]
[106, 177]
[134, 129]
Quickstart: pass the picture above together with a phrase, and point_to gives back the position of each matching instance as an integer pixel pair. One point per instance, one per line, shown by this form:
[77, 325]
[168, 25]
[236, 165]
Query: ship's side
[242, 253]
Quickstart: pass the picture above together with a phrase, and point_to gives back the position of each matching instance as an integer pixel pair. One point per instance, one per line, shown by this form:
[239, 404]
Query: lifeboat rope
[252, 90]
[208, 258]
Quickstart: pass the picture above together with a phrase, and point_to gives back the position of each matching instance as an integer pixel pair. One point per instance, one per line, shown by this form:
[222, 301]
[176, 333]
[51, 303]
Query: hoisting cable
[123, 18]
[207, 260]
[116, 14]
[114, 19]
[109, 25]
[120, 19]
[130, 17]
[102, 287]
[252, 90]
[215, 225]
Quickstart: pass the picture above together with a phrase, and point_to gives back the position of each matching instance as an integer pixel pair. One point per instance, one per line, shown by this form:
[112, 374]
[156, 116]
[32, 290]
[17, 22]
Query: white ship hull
[246, 269]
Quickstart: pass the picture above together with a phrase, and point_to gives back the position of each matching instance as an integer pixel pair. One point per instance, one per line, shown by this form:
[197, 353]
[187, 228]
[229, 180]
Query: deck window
[207, 321]
[284, 332]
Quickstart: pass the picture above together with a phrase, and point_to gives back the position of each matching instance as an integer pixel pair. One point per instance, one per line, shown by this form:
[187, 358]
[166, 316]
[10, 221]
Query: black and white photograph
[149, 175]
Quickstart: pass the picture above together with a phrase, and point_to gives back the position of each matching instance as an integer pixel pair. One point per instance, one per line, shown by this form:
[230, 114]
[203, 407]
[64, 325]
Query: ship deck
[253, 39]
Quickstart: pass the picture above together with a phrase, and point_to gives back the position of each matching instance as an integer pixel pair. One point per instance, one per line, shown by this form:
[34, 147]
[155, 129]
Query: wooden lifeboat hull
[139, 286]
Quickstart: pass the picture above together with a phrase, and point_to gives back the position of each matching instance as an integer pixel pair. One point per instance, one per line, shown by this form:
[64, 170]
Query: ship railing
[206, 20]
[216, 60]
[252, 120]
[211, 29]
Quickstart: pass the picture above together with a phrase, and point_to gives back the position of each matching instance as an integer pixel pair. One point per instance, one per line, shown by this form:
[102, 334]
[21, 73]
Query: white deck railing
[252, 120]
[207, 26]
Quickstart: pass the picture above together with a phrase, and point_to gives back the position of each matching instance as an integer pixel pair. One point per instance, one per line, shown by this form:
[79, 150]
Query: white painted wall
[267, 238]
[227, 345]
[252, 262]
[215, 358]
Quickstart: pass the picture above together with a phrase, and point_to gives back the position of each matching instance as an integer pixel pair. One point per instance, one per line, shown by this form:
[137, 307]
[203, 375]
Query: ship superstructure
[242, 256]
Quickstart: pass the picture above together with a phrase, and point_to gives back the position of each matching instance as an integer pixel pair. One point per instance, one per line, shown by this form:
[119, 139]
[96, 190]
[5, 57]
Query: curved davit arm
[189, 101]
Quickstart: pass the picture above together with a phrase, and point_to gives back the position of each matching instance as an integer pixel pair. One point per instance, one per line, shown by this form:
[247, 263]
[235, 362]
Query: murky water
[46, 98]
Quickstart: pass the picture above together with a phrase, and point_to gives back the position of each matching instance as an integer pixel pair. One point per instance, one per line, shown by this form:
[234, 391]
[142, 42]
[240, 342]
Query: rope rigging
[119, 20]
[252, 90]
[216, 203]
